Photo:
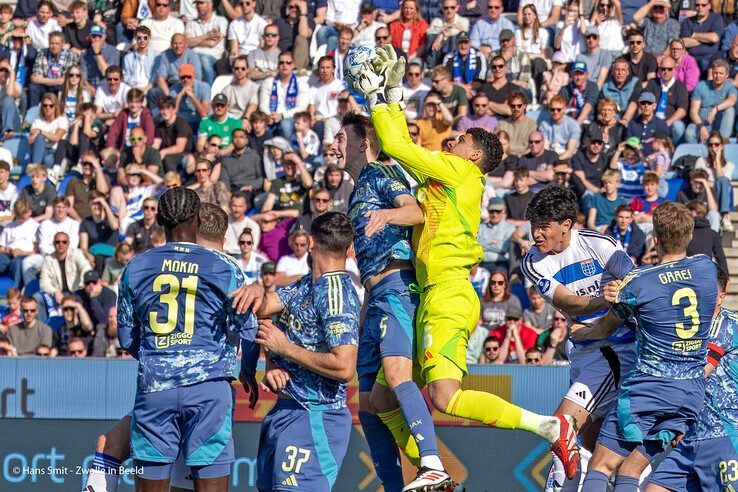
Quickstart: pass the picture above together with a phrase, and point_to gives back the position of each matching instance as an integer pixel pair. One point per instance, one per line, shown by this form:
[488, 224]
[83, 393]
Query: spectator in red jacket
[410, 19]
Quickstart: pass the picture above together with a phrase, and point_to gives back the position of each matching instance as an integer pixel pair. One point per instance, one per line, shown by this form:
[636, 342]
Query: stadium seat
[698, 150]
[18, 146]
[31, 114]
[62, 188]
[521, 293]
[675, 184]
[731, 155]
[220, 83]
[55, 322]
[5, 284]
[32, 287]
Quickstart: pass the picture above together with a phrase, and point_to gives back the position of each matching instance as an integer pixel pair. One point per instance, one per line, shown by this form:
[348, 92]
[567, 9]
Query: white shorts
[595, 376]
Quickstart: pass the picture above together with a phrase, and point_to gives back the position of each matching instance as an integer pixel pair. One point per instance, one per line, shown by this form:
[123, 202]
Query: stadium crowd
[105, 105]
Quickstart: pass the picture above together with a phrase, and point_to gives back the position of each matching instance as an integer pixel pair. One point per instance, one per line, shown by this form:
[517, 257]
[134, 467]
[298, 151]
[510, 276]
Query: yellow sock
[395, 422]
[486, 408]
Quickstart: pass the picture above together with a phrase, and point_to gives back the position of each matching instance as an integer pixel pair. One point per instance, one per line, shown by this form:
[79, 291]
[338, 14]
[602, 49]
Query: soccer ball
[352, 65]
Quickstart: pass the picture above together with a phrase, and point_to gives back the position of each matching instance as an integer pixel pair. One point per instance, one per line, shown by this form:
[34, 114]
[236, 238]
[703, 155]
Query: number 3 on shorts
[291, 463]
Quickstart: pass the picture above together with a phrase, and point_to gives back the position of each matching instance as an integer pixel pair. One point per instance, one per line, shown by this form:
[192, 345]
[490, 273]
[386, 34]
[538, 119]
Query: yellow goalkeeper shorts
[446, 317]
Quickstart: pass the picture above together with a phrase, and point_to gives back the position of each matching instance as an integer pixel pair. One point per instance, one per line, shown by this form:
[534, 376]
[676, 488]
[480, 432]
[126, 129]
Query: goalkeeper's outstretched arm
[391, 128]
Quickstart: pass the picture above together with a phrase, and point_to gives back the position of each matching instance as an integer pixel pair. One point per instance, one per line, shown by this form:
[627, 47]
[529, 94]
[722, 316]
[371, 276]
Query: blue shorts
[195, 419]
[709, 465]
[389, 325]
[650, 412]
[301, 449]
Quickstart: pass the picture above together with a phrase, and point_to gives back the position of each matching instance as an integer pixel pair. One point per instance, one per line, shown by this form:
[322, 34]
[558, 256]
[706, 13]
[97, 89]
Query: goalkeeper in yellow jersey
[450, 192]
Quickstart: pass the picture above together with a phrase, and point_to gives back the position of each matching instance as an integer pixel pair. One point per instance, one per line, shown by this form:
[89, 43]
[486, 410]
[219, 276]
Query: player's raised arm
[406, 213]
[129, 333]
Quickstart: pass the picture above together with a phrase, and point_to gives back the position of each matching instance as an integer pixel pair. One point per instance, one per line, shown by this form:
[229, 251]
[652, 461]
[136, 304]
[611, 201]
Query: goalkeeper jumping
[450, 192]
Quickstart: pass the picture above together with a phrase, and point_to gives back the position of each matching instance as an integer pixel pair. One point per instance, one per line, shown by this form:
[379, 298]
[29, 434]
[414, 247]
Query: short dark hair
[363, 127]
[177, 206]
[333, 233]
[623, 208]
[490, 146]
[515, 95]
[328, 59]
[552, 204]
[213, 222]
[114, 69]
[722, 278]
[167, 102]
[492, 338]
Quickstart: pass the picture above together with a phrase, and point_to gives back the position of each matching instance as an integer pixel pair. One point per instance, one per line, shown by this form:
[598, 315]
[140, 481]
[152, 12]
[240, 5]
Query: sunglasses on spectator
[75, 352]
[135, 139]
[149, 207]
[497, 282]
[498, 66]
[645, 103]
[532, 361]
[494, 7]
[496, 212]
[322, 200]
[285, 62]
[271, 34]
[241, 243]
[556, 110]
[113, 79]
[88, 163]
[162, 5]
[559, 318]
[449, 7]
[185, 76]
[68, 308]
[491, 349]
[534, 141]
[142, 38]
[29, 310]
[47, 105]
[381, 38]
[666, 69]
[413, 74]
[61, 241]
[72, 74]
[701, 4]
[516, 106]
[414, 134]
[715, 144]
[636, 42]
[213, 144]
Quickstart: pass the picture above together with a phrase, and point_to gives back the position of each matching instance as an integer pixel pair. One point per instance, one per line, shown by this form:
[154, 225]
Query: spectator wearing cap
[494, 236]
[467, 66]
[206, 37]
[443, 32]
[192, 96]
[589, 163]
[242, 169]
[488, 29]
[162, 26]
[517, 337]
[631, 167]
[570, 39]
[296, 30]
[96, 299]
[263, 61]
[712, 106]
[284, 96]
[98, 57]
[139, 63]
[173, 136]
[368, 25]
[625, 232]
[62, 271]
[672, 99]
[324, 100]
[220, 123]
[51, 64]
[111, 97]
[580, 94]
[646, 124]
[244, 33]
[643, 65]
[276, 150]
[517, 62]
[480, 117]
[596, 60]
[657, 27]
[77, 32]
[561, 133]
[133, 115]
[554, 79]
[266, 279]
[622, 88]
[701, 33]
[168, 64]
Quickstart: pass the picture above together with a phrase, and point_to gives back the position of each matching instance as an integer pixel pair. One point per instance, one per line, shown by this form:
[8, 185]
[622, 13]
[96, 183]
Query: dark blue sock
[595, 481]
[625, 484]
[417, 417]
[385, 455]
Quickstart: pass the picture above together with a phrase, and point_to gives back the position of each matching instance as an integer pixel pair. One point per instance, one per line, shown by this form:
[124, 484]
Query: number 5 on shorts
[291, 463]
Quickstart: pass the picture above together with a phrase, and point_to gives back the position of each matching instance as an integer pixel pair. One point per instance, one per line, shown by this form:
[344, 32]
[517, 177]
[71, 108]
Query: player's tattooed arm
[574, 305]
[339, 363]
[601, 329]
[406, 213]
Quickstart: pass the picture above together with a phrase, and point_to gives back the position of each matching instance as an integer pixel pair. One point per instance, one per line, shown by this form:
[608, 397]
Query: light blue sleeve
[129, 330]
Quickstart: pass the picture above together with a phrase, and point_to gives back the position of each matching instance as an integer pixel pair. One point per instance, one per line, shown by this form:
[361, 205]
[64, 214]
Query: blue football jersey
[719, 415]
[174, 316]
[318, 316]
[673, 306]
[377, 187]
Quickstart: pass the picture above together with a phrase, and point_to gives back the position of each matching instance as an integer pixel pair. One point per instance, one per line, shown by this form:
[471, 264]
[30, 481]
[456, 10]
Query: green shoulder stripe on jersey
[335, 294]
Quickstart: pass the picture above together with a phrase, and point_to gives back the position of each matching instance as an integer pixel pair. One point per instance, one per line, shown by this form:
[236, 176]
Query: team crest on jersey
[543, 285]
[588, 267]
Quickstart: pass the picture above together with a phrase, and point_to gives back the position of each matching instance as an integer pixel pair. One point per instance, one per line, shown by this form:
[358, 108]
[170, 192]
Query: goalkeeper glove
[394, 71]
[370, 85]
